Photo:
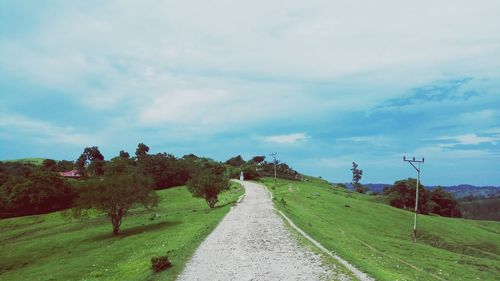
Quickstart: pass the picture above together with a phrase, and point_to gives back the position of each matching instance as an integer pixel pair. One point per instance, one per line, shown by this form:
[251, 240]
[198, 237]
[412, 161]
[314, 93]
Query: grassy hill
[377, 238]
[53, 247]
[34, 161]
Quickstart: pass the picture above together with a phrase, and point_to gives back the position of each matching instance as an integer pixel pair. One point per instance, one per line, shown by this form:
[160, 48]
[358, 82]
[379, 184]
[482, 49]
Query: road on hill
[253, 243]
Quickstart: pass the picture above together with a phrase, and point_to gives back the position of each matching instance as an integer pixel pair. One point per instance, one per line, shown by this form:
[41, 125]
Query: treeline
[437, 201]
[27, 189]
[258, 167]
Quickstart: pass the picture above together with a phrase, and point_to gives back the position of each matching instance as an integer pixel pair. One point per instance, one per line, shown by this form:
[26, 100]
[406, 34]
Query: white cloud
[376, 140]
[468, 139]
[45, 132]
[286, 139]
[296, 40]
[440, 154]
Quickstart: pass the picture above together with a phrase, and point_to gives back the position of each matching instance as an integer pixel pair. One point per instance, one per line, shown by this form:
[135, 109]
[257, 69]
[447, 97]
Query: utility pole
[412, 161]
[275, 160]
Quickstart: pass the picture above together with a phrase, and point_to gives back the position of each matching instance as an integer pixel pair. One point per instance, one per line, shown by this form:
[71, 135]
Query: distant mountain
[377, 187]
[463, 190]
[459, 191]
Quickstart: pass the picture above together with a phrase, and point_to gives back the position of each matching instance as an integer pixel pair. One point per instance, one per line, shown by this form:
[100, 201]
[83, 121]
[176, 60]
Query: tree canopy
[208, 182]
[116, 194]
[90, 162]
[438, 201]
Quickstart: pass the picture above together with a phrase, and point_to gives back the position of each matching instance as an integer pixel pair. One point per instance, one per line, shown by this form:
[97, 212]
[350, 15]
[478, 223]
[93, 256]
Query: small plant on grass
[283, 202]
[160, 263]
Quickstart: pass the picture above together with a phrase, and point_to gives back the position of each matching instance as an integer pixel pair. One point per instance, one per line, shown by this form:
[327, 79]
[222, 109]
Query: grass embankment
[49, 247]
[377, 238]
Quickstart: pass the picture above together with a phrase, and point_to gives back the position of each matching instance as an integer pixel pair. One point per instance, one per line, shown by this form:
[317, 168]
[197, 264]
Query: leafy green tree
[115, 195]
[357, 174]
[38, 193]
[119, 165]
[236, 161]
[444, 204]
[165, 169]
[142, 150]
[64, 165]
[91, 161]
[124, 154]
[438, 201]
[208, 182]
[49, 164]
[258, 159]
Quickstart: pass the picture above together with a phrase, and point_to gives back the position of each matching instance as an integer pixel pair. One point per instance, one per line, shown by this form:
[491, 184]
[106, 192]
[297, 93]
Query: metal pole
[275, 178]
[275, 162]
[416, 206]
[411, 161]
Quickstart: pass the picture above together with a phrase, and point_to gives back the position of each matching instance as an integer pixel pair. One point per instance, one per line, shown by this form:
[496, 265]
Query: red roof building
[70, 174]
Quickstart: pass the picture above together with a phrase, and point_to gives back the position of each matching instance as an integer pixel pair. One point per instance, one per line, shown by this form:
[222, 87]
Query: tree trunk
[211, 202]
[116, 221]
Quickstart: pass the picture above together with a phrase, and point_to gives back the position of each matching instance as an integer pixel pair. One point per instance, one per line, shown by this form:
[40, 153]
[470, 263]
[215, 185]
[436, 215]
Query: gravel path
[253, 243]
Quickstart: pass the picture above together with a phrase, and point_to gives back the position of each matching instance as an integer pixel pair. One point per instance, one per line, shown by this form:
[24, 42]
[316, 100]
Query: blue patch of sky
[441, 91]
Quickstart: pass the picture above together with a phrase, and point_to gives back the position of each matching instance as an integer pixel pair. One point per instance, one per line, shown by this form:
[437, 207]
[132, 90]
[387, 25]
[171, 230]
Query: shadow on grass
[224, 205]
[208, 210]
[126, 232]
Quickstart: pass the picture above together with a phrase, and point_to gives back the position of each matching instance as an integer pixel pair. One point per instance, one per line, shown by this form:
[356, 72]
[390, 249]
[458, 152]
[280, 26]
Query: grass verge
[377, 238]
[54, 247]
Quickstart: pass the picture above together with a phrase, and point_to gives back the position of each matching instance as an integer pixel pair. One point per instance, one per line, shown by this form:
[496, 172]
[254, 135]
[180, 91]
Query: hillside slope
[54, 247]
[377, 238]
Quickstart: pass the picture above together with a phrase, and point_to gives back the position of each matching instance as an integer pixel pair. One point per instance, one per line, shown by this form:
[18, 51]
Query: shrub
[208, 182]
[160, 263]
[283, 202]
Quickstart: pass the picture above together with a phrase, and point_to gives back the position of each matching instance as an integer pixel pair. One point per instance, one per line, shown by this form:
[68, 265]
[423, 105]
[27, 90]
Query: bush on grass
[160, 263]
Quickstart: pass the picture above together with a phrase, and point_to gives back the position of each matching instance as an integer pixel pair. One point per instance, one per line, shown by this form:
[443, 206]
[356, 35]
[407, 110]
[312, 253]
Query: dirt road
[253, 243]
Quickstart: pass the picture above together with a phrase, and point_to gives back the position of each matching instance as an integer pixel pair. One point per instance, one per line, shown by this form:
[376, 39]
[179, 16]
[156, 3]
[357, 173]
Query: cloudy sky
[322, 83]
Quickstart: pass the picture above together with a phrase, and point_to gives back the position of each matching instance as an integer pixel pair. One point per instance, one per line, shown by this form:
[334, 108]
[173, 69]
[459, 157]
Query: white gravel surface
[253, 243]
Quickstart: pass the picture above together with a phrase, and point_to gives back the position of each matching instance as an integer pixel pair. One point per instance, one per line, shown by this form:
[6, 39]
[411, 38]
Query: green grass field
[50, 247]
[377, 238]
[34, 161]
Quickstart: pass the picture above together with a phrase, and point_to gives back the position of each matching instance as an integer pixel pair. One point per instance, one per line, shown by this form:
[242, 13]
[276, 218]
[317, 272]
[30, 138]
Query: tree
[40, 192]
[258, 159]
[119, 165]
[444, 204]
[236, 161]
[115, 195]
[91, 161]
[49, 164]
[208, 182]
[142, 150]
[165, 169]
[65, 165]
[356, 177]
[124, 154]
[438, 201]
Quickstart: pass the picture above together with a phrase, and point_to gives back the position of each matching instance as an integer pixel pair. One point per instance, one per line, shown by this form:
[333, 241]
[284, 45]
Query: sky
[321, 83]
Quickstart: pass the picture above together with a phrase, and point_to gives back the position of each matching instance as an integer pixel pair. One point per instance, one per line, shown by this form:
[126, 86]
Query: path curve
[253, 243]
